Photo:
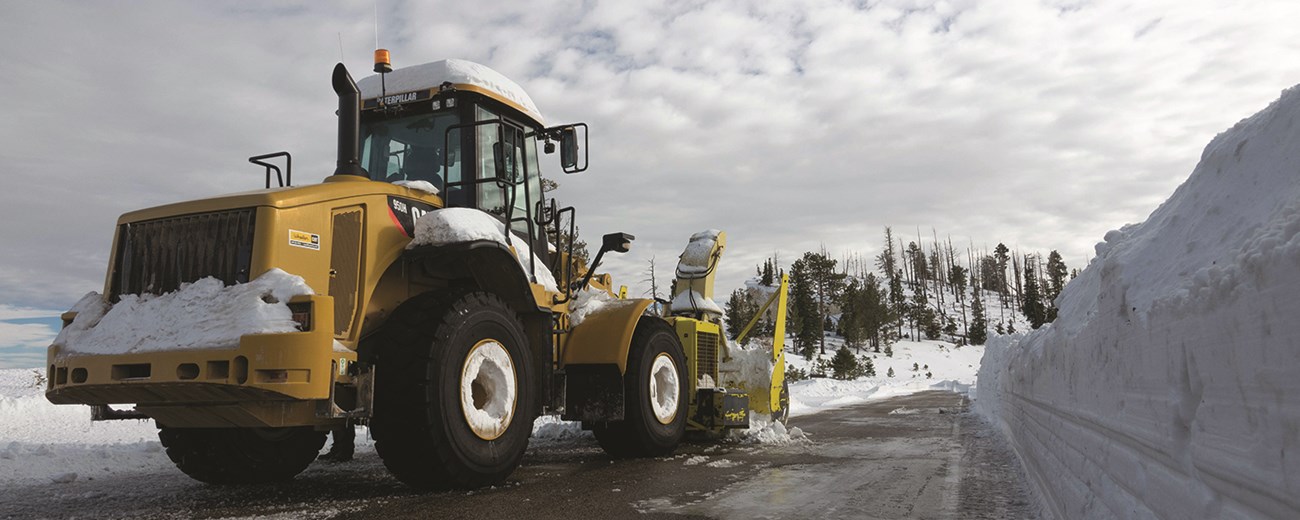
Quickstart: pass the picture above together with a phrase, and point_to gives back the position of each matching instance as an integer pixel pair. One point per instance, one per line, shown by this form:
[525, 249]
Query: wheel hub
[488, 391]
[665, 390]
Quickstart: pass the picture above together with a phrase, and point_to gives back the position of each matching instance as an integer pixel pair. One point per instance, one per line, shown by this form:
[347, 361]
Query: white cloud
[788, 124]
[10, 312]
[26, 335]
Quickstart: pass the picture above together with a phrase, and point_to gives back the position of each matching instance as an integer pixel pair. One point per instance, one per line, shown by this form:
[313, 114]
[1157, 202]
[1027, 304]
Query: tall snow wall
[1169, 386]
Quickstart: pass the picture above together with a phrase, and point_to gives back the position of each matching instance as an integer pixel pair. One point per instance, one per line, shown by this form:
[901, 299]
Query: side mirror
[569, 148]
[617, 242]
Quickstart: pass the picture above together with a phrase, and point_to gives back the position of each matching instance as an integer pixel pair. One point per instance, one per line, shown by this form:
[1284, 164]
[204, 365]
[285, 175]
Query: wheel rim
[488, 391]
[665, 390]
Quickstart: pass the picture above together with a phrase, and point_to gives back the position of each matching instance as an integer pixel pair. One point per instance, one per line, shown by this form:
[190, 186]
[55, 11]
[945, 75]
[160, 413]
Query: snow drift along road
[1170, 385]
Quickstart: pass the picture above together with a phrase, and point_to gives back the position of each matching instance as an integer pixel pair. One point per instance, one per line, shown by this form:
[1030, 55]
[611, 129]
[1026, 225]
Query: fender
[605, 337]
[491, 265]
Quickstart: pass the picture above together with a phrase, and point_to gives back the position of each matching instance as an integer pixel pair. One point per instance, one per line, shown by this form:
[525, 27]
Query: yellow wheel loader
[448, 348]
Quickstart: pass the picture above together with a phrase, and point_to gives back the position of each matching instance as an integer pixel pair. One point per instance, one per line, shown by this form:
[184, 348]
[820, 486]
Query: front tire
[454, 400]
[227, 456]
[655, 400]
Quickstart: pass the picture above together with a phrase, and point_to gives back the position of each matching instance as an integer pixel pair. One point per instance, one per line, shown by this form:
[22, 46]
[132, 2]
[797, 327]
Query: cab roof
[462, 74]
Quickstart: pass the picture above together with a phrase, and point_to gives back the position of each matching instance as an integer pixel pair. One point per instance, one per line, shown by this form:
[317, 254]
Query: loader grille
[706, 355]
[157, 256]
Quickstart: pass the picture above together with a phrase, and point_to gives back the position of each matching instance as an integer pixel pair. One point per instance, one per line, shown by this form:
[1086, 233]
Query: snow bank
[453, 225]
[203, 314]
[1168, 385]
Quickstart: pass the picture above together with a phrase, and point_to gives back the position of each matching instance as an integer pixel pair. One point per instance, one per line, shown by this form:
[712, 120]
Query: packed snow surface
[203, 314]
[1168, 386]
[454, 225]
[458, 72]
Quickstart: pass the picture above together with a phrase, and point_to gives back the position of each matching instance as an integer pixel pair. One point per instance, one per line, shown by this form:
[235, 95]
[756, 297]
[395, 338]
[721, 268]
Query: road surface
[916, 456]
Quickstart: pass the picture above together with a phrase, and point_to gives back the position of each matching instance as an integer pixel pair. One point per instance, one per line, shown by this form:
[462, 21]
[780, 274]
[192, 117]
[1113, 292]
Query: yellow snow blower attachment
[726, 381]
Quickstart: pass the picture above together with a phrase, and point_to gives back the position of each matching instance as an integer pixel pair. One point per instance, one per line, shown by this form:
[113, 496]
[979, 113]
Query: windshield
[411, 149]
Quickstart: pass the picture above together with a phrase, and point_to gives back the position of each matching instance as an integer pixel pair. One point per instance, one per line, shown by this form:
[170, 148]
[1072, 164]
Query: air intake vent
[345, 266]
[157, 256]
[707, 355]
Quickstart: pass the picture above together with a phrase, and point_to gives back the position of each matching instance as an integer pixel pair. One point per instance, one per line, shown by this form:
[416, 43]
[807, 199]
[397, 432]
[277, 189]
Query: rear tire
[655, 400]
[454, 400]
[228, 456]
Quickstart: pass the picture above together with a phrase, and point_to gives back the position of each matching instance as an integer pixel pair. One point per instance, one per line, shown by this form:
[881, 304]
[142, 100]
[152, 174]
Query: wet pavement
[918, 456]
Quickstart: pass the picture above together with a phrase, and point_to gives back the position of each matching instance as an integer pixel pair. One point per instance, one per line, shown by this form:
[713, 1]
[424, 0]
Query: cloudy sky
[790, 125]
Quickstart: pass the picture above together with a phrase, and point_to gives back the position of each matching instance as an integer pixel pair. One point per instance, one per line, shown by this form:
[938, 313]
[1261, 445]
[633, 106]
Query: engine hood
[336, 187]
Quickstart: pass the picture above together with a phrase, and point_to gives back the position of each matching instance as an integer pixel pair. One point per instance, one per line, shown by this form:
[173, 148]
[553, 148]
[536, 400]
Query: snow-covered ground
[950, 368]
[44, 443]
[1168, 387]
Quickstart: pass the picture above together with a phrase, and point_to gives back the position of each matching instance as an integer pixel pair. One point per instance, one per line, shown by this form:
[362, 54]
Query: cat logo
[304, 240]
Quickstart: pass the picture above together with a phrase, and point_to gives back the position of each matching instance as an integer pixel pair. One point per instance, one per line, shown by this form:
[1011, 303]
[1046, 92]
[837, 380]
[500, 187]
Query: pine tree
[844, 365]
[807, 323]
[766, 276]
[889, 350]
[931, 324]
[897, 301]
[1031, 303]
[741, 308]
[826, 286]
[1056, 274]
[1001, 256]
[891, 372]
[852, 316]
[866, 367]
[979, 328]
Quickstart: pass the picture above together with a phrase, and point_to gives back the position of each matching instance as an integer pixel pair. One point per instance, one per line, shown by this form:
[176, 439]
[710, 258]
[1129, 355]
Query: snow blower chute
[726, 380]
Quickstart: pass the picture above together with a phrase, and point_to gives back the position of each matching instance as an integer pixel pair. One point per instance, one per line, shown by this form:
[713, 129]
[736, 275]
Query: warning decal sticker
[304, 239]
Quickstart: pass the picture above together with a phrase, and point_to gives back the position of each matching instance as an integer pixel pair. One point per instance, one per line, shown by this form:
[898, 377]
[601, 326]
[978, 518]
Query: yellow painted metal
[308, 209]
[778, 350]
[688, 332]
[604, 337]
[253, 376]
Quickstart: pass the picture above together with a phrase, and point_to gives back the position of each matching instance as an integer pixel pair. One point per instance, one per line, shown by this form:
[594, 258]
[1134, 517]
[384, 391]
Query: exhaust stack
[349, 123]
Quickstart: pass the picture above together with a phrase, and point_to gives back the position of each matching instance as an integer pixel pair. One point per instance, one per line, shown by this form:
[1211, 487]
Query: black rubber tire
[419, 427]
[229, 456]
[640, 434]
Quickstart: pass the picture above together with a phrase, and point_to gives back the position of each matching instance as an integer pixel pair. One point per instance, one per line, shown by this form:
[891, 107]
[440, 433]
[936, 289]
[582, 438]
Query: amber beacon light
[382, 62]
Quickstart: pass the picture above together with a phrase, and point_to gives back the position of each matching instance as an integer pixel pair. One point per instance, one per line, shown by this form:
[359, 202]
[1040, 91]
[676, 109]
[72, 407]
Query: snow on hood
[455, 225]
[203, 314]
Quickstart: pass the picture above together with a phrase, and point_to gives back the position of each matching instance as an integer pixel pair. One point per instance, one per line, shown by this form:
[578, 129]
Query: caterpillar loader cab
[442, 303]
